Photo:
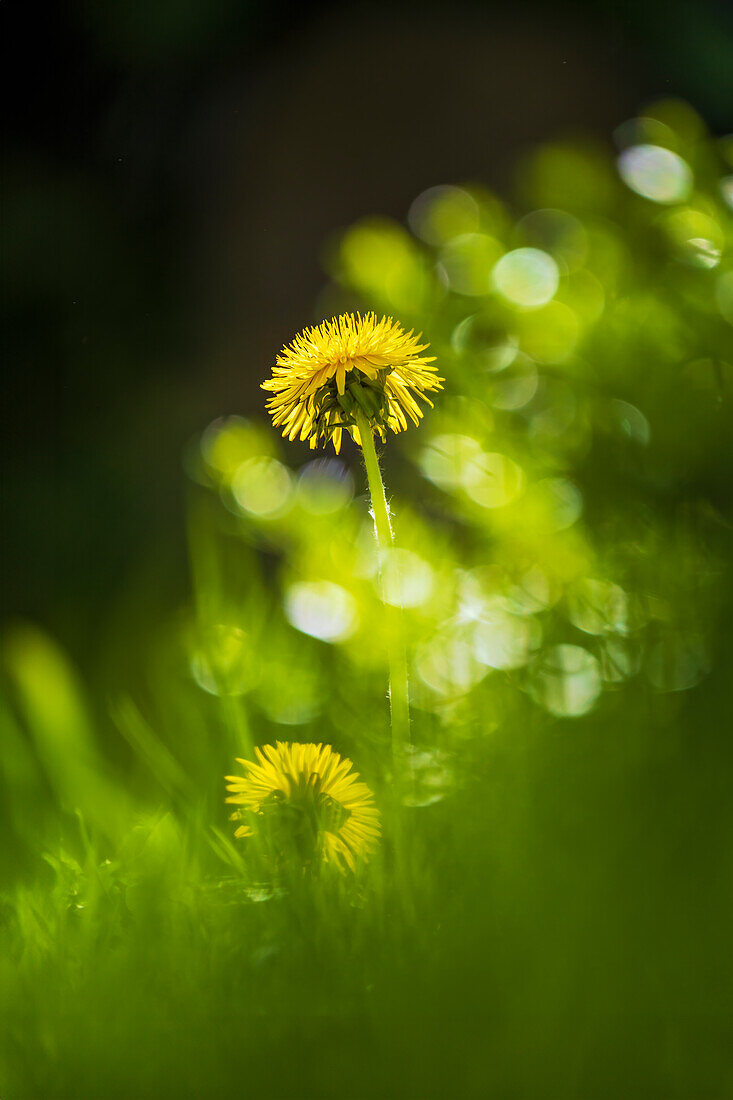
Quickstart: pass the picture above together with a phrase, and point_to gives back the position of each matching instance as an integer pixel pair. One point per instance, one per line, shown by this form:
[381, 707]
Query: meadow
[546, 911]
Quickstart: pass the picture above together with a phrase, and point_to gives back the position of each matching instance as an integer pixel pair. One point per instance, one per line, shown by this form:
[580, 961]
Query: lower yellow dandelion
[350, 365]
[310, 796]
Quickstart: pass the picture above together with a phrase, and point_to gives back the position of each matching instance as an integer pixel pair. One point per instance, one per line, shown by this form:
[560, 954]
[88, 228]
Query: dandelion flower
[348, 365]
[311, 798]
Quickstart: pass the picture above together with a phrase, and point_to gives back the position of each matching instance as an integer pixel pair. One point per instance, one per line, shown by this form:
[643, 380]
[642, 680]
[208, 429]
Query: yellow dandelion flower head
[347, 365]
[310, 793]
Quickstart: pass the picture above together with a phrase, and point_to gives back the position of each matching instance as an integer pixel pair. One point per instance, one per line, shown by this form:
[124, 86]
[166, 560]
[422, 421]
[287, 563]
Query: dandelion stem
[399, 705]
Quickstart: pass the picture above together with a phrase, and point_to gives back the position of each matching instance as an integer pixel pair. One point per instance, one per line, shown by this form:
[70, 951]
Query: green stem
[399, 706]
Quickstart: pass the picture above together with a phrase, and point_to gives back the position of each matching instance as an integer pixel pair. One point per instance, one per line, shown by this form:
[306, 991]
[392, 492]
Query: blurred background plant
[548, 914]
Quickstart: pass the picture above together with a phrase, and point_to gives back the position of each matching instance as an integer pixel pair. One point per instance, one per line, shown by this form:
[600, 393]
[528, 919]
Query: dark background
[172, 172]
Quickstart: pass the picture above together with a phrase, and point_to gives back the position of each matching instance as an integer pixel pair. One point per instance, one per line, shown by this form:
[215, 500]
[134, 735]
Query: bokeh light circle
[322, 609]
[262, 487]
[655, 173]
[407, 579]
[527, 277]
[566, 681]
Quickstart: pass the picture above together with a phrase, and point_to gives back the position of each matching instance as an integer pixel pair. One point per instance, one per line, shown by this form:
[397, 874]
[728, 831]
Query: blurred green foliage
[548, 914]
